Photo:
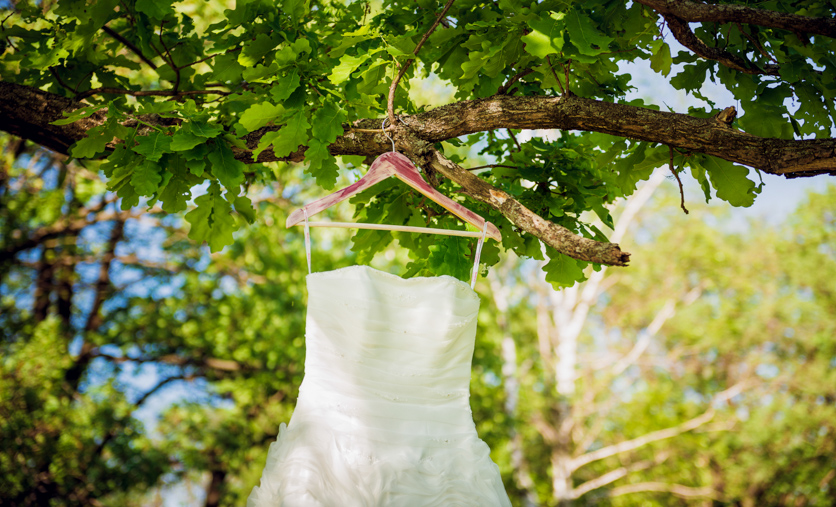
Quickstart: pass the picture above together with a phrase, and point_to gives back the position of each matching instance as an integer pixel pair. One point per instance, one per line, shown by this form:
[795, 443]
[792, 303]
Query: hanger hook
[383, 127]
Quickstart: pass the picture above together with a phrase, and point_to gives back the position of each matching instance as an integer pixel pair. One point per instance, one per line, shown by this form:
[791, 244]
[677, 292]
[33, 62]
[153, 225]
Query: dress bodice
[389, 349]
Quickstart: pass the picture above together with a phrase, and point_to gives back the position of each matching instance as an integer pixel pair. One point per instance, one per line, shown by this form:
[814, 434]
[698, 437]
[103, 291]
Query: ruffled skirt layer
[313, 465]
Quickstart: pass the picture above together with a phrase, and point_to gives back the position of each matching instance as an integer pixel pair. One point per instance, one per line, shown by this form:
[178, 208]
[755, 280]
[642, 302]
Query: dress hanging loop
[383, 128]
[307, 240]
[475, 271]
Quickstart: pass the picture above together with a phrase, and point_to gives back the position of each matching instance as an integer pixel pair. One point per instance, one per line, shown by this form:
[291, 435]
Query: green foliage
[294, 74]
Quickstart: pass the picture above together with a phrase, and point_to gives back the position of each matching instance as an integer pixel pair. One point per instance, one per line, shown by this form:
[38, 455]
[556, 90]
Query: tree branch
[611, 476]
[680, 29]
[128, 44]
[734, 13]
[554, 235]
[655, 436]
[643, 440]
[145, 93]
[663, 487]
[27, 112]
[390, 105]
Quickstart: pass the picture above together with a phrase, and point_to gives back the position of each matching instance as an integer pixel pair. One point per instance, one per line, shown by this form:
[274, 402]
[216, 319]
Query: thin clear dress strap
[307, 241]
[475, 270]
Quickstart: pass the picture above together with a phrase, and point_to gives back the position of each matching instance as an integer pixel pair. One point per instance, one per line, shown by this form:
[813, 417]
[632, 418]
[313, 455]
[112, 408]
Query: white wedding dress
[383, 415]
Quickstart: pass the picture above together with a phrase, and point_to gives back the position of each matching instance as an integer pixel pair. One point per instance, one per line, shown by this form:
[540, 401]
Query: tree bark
[27, 112]
[732, 13]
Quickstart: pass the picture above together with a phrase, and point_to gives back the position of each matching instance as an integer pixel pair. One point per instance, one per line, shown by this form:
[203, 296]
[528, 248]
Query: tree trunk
[214, 491]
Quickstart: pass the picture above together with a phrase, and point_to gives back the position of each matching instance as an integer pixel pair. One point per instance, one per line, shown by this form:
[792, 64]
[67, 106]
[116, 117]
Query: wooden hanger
[397, 165]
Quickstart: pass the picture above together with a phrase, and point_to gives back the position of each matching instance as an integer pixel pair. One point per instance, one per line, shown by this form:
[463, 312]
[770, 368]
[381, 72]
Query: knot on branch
[726, 116]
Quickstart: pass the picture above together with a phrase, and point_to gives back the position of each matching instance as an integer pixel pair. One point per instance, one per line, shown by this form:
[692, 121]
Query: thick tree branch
[554, 235]
[27, 112]
[734, 13]
[680, 29]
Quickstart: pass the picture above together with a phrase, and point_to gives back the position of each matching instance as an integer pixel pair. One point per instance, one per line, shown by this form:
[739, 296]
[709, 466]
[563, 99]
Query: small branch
[507, 86]
[643, 440]
[209, 58]
[491, 165]
[609, 477]
[390, 105]
[682, 32]
[663, 487]
[556, 79]
[681, 191]
[655, 436]
[143, 93]
[510, 133]
[60, 81]
[754, 41]
[116, 35]
[156, 388]
[94, 318]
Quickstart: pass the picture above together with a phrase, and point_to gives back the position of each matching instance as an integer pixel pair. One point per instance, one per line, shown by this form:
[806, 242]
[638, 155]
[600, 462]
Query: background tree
[691, 381]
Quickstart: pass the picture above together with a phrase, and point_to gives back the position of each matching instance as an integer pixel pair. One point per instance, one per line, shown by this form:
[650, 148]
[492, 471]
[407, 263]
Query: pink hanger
[397, 165]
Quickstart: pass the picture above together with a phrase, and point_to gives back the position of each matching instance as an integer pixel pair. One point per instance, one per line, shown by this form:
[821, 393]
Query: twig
[60, 81]
[491, 165]
[754, 41]
[507, 86]
[144, 93]
[170, 59]
[519, 148]
[557, 79]
[390, 105]
[566, 71]
[681, 191]
[116, 35]
[209, 58]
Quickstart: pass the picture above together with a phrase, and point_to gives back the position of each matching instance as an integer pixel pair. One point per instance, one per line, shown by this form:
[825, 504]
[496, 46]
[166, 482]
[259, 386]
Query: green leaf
[74, 116]
[211, 220]
[95, 143]
[226, 68]
[327, 123]
[184, 139]
[204, 129]
[347, 65]
[546, 36]
[254, 50]
[196, 166]
[288, 139]
[260, 73]
[321, 164]
[285, 86]
[244, 207]
[729, 180]
[228, 170]
[146, 178]
[562, 270]
[584, 35]
[155, 9]
[296, 9]
[153, 145]
[661, 60]
[352, 38]
[259, 115]
[175, 194]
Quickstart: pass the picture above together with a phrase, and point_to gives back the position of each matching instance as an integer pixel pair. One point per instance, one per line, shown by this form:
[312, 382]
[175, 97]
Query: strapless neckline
[396, 278]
